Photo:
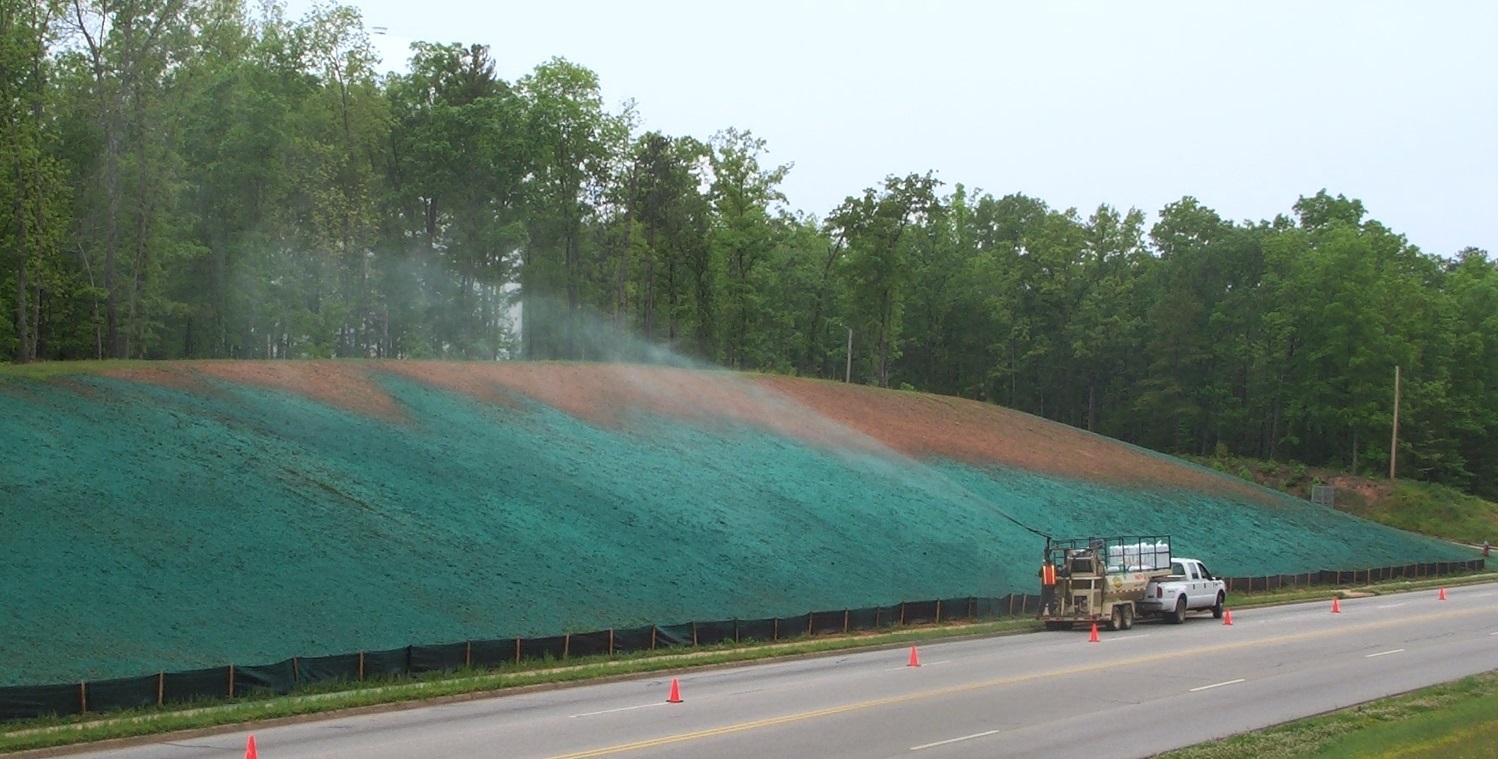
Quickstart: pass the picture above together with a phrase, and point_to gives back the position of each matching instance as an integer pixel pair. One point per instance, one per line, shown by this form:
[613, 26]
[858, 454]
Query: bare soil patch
[344, 384]
[821, 412]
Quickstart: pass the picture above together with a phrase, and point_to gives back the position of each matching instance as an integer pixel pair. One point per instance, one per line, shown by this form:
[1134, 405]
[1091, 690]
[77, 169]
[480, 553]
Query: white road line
[1493, 633]
[1383, 653]
[1480, 595]
[620, 709]
[953, 740]
[1219, 685]
[922, 664]
[1388, 606]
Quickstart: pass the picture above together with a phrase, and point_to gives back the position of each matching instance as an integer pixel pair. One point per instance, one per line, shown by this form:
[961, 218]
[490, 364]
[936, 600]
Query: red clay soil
[345, 384]
[822, 412]
[981, 433]
[177, 376]
[1371, 491]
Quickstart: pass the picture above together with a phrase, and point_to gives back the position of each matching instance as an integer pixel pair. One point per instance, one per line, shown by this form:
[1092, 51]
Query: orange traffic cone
[249, 749]
[1093, 638]
[1227, 616]
[1336, 607]
[675, 697]
[1443, 595]
[915, 659]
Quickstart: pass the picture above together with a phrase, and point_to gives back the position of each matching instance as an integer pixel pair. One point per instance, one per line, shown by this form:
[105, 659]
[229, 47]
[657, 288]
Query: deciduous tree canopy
[208, 178]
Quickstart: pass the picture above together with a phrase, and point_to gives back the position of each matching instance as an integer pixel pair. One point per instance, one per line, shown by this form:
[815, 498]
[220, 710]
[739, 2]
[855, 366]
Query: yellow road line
[954, 689]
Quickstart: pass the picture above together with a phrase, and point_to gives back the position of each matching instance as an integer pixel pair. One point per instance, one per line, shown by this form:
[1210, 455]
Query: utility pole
[1394, 443]
[848, 376]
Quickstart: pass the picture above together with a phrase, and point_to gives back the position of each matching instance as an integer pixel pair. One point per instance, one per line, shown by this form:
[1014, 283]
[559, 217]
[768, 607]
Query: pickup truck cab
[1189, 587]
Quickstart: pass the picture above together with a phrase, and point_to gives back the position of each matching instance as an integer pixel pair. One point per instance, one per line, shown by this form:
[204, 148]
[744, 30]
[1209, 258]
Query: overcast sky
[1245, 106]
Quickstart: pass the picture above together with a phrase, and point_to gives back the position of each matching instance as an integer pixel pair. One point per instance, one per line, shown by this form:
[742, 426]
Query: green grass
[1448, 721]
[1429, 509]
[1436, 510]
[333, 697]
[1463, 728]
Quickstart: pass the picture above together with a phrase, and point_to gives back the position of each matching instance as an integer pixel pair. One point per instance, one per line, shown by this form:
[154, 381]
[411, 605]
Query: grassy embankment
[334, 697]
[1422, 507]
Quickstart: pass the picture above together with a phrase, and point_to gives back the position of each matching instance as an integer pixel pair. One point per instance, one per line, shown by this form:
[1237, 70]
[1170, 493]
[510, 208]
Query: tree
[573, 140]
[743, 237]
[878, 267]
[31, 183]
[457, 164]
[126, 45]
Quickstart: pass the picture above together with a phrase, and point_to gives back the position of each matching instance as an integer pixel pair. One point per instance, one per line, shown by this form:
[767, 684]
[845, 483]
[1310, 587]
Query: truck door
[1193, 585]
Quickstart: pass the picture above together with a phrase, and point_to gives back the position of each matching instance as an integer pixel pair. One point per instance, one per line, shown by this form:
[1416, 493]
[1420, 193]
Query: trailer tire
[1115, 619]
[1128, 617]
[1217, 609]
[1179, 615]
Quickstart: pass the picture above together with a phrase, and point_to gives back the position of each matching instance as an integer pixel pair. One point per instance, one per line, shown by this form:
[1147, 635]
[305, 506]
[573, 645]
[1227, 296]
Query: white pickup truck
[1189, 587]
[1115, 579]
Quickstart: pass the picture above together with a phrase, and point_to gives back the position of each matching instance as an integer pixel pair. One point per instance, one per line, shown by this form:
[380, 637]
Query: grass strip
[1450, 721]
[340, 696]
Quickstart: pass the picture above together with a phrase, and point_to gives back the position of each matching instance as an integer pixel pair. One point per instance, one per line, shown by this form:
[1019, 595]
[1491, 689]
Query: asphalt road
[1055, 694]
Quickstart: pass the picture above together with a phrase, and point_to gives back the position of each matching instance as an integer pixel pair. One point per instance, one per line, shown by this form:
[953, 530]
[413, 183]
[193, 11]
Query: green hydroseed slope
[150, 528]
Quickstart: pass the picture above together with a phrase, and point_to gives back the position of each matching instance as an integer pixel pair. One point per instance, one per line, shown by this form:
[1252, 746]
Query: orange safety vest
[1048, 574]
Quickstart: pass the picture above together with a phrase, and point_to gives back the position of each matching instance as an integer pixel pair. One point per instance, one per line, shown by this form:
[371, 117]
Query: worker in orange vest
[1047, 587]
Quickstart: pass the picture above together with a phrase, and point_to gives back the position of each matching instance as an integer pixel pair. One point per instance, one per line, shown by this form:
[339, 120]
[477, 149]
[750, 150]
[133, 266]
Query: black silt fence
[124, 693]
[449, 657]
[395, 662]
[634, 639]
[196, 685]
[338, 667]
[713, 633]
[232, 681]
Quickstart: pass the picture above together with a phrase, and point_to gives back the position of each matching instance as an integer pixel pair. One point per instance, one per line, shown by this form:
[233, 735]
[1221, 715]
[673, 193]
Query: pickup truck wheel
[1179, 615]
[1217, 610]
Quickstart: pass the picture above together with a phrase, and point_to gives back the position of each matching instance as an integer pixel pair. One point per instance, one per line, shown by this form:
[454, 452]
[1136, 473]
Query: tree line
[209, 178]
